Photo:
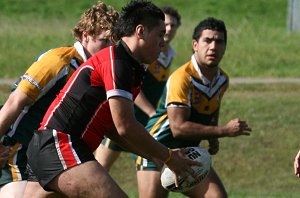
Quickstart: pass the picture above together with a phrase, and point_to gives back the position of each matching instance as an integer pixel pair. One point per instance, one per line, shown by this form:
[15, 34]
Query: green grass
[259, 44]
[259, 165]
[263, 162]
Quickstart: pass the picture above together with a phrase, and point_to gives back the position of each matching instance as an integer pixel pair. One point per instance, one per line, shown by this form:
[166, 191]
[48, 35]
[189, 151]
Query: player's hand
[297, 164]
[181, 165]
[237, 127]
[4, 154]
[213, 146]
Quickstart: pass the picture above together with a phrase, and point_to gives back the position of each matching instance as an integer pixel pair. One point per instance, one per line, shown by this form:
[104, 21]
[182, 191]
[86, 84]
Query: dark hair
[172, 12]
[210, 23]
[134, 13]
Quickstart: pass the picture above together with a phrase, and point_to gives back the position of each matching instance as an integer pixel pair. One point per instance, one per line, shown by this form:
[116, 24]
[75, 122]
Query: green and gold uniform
[186, 87]
[41, 82]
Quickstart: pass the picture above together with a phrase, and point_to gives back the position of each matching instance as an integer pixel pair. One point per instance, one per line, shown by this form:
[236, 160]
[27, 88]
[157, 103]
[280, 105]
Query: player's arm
[297, 164]
[143, 103]
[15, 103]
[183, 128]
[134, 132]
[121, 141]
[4, 154]
[213, 146]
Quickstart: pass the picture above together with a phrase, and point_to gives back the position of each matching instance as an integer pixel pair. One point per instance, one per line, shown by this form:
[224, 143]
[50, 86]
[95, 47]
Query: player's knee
[216, 194]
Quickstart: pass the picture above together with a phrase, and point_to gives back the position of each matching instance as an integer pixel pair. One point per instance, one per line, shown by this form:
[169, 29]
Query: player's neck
[165, 49]
[209, 72]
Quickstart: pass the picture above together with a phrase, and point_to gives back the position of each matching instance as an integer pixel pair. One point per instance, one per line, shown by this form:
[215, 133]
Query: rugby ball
[195, 153]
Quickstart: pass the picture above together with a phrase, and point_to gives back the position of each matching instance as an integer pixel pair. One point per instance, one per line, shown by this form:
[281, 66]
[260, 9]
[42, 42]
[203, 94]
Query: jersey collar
[78, 46]
[203, 78]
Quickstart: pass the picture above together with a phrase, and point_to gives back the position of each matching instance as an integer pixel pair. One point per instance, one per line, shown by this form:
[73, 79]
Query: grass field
[260, 165]
[258, 41]
[259, 45]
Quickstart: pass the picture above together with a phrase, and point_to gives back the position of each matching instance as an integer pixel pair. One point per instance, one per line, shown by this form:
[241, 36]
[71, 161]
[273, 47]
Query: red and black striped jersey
[81, 109]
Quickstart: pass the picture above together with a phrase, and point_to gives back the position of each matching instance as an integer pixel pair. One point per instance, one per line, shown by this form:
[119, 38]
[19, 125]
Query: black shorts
[51, 152]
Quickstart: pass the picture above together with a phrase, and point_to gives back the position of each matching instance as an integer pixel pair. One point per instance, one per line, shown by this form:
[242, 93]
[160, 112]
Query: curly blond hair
[98, 17]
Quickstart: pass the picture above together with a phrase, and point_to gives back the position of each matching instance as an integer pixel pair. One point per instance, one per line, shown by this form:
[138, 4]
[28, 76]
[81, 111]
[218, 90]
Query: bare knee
[13, 189]
[35, 190]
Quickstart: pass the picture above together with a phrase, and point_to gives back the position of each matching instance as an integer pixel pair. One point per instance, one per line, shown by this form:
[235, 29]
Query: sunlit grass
[258, 41]
[21, 43]
[259, 165]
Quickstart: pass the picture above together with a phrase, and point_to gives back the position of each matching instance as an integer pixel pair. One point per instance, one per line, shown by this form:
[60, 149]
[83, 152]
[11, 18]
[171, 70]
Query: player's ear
[85, 37]
[140, 31]
[194, 45]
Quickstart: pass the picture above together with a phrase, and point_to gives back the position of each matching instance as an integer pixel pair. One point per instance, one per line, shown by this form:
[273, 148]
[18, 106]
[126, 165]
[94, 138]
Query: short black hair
[172, 12]
[210, 23]
[134, 13]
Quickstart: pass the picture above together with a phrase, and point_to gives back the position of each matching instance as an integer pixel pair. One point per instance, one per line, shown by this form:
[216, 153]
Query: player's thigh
[13, 189]
[149, 185]
[211, 186]
[89, 179]
[35, 190]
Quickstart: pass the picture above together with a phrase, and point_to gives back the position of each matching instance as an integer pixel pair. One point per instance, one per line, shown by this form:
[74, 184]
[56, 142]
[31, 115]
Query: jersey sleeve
[116, 74]
[178, 90]
[45, 70]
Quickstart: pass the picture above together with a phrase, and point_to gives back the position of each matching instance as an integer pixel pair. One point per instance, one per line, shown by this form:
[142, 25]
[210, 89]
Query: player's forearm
[143, 103]
[133, 131]
[8, 115]
[194, 131]
[143, 141]
[121, 141]
[12, 109]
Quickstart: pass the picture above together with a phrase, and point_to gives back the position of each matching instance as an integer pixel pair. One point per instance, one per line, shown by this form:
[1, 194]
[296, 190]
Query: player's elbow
[176, 131]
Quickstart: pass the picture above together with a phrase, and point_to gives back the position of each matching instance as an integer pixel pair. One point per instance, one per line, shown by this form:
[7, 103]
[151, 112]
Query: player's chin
[149, 59]
[154, 57]
[167, 39]
[212, 65]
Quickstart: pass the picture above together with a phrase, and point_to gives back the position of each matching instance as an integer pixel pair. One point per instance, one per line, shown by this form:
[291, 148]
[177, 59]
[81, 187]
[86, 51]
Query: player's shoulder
[224, 74]
[183, 72]
[59, 53]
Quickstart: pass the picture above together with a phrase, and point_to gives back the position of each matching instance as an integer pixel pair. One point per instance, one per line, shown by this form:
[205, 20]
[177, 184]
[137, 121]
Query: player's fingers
[296, 166]
[176, 181]
[213, 152]
[242, 122]
[194, 163]
[245, 133]
[194, 175]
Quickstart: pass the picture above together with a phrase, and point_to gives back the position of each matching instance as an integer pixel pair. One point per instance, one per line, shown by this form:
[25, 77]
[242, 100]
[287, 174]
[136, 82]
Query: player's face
[153, 42]
[210, 48]
[171, 27]
[98, 42]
